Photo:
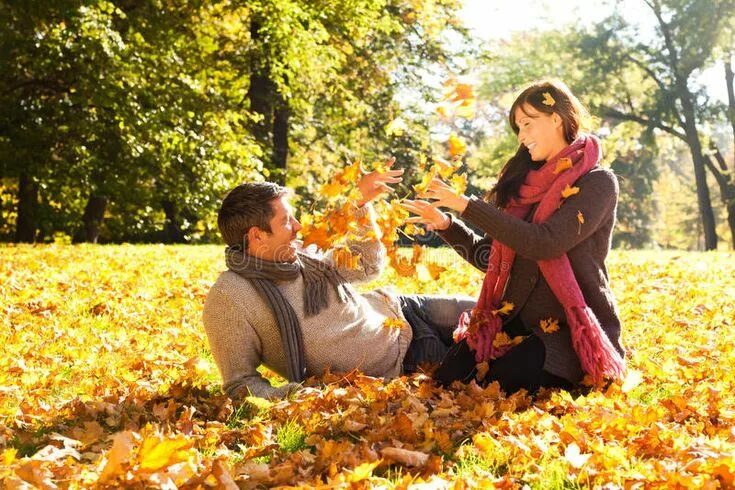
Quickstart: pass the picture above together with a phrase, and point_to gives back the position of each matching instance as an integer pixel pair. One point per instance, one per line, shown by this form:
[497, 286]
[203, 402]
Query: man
[297, 313]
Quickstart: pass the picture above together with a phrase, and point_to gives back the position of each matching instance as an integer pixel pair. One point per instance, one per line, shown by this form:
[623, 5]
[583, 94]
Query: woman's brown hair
[538, 95]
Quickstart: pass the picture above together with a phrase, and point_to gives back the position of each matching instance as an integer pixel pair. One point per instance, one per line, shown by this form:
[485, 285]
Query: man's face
[278, 244]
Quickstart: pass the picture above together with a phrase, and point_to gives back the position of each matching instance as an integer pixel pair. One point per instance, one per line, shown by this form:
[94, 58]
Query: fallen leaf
[405, 456]
[119, 454]
[574, 456]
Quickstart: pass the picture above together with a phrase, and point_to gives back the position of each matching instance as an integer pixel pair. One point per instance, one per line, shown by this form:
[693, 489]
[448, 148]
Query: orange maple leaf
[562, 165]
[505, 308]
[580, 219]
[550, 325]
[457, 146]
[569, 191]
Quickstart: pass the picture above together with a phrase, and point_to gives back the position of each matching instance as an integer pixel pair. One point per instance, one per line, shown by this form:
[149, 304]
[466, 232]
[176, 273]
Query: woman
[548, 223]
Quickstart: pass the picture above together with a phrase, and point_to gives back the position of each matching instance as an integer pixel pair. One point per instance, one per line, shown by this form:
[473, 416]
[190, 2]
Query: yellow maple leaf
[548, 100]
[459, 183]
[426, 179]
[351, 173]
[428, 272]
[394, 323]
[332, 189]
[446, 168]
[569, 191]
[457, 146]
[502, 339]
[156, 453]
[562, 165]
[505, 308]
[580, 219]
[550, 325]
[344, 258]
[363, 471]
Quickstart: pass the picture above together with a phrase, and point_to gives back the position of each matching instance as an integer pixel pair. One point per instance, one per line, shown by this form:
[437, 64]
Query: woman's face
[541, 133]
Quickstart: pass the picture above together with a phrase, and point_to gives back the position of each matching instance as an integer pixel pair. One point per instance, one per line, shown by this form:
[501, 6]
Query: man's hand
[373, 184]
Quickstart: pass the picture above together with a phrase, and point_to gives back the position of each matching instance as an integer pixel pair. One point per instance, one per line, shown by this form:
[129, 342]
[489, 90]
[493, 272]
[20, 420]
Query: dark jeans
[520, 367]
[433, 320]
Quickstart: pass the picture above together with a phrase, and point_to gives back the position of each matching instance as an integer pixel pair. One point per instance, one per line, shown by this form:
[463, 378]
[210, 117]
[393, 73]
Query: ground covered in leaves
[106, 380]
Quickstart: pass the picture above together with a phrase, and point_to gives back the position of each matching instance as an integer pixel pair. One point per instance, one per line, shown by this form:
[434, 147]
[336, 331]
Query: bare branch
[626, 116]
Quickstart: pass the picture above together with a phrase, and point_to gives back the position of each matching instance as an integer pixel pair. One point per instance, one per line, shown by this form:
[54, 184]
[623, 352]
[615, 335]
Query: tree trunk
[280, 139]
[94, 213]
[730, 84]
[260, 94]
[25, 227]
[704, 199]
[174, 234]
[726, 181]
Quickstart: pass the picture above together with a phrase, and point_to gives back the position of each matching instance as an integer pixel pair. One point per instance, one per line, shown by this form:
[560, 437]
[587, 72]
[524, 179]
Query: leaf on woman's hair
[548, 100]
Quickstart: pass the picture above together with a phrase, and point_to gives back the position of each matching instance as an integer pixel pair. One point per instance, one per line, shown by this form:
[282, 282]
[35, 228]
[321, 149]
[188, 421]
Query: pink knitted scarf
[481, 325]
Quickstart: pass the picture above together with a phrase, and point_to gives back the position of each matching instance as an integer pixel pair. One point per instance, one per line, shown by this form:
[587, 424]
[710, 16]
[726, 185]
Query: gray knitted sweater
[243, 333]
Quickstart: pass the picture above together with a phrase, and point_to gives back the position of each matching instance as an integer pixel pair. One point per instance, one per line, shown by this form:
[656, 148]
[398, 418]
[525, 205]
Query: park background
[128, 120]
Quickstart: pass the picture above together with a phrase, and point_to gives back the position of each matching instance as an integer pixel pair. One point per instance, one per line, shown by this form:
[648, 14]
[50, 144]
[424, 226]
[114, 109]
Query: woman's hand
[445, 196]
[374, 183]
[428, 215]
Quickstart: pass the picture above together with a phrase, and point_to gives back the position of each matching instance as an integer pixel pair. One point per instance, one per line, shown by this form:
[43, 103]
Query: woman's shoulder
[600, 179]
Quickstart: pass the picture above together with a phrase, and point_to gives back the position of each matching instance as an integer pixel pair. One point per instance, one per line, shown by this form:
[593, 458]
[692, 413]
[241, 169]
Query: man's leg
[441, 312]
[432, 320]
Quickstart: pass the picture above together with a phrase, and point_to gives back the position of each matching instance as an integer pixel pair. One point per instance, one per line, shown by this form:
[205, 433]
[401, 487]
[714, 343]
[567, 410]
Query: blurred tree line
[127, 120]
[643, 85]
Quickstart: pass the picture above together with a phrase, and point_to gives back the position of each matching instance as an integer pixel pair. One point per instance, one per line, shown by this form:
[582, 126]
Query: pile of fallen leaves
[106, 381]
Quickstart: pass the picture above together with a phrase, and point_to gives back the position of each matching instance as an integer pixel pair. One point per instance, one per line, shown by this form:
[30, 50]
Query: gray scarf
[317, 277]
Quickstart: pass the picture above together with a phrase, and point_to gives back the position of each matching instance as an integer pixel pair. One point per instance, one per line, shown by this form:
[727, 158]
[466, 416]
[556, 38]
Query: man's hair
[245, 206]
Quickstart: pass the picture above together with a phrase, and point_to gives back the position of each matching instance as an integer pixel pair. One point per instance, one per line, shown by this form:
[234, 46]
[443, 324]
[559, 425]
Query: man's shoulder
[232, 285]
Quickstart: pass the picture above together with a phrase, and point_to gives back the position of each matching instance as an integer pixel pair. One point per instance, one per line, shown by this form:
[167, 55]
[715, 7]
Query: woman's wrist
[444, 224]
[462, 202]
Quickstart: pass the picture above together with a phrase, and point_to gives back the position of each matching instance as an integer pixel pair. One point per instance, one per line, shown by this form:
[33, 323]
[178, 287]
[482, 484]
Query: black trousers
[520, 367]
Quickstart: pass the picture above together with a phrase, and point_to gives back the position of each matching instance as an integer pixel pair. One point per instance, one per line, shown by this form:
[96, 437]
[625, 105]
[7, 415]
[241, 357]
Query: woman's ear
[556, 119]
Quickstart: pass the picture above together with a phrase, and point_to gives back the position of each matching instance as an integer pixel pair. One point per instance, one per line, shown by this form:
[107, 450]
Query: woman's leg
[523, 367]
[520, 367]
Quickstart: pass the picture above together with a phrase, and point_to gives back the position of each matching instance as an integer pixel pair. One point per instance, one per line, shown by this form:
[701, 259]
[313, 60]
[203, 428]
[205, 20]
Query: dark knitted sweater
[585, 244]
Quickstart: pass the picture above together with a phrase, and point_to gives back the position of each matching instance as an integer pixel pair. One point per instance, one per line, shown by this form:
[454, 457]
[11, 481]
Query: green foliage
[290, 437]
[152, 105]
